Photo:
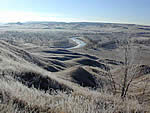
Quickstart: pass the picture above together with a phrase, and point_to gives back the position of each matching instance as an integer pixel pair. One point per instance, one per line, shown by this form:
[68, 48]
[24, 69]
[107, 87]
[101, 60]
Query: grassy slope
[23, 85]
[28, 82]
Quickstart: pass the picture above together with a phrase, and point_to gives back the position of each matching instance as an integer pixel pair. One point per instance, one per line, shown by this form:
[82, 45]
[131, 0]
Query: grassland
[38, 74]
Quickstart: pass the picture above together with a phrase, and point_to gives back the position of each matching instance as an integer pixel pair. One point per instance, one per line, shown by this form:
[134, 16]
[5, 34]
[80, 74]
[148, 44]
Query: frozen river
[79, 43]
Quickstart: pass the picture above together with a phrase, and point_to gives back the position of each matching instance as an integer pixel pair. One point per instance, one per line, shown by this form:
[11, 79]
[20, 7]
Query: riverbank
[79, 43]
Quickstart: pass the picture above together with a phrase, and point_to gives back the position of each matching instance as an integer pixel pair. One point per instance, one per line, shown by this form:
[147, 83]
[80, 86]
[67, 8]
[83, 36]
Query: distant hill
[17, 23]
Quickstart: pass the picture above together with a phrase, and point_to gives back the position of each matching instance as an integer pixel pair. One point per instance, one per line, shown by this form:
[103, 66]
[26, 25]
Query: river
[79, 43]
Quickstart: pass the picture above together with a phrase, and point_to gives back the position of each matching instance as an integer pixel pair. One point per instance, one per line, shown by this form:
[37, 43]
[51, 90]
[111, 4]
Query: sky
[112, 11]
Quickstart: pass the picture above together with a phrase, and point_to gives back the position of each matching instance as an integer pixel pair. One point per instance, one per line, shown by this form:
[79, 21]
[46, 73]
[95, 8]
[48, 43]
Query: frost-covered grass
[17, 98]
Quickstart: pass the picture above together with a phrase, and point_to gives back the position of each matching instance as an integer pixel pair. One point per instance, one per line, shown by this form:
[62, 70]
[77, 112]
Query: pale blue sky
[124, 11]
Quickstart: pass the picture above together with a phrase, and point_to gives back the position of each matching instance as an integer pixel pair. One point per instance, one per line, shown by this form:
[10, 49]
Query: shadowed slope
[86, 76]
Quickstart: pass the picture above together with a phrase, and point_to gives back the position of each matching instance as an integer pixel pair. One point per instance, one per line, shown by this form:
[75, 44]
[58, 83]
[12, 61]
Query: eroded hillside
[38, 73]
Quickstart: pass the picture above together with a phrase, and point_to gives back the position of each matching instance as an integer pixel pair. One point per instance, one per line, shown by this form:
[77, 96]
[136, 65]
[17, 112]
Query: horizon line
[105, 22]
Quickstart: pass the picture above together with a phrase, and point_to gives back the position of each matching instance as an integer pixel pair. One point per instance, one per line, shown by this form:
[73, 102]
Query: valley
[79, 67]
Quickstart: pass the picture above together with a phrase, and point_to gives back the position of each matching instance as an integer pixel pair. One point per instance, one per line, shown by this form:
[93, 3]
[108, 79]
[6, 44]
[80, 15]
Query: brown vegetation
[108, 75]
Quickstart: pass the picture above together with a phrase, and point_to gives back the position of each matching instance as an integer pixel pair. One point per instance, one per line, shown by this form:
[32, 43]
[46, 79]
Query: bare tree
[130, 65]
[128, 53]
